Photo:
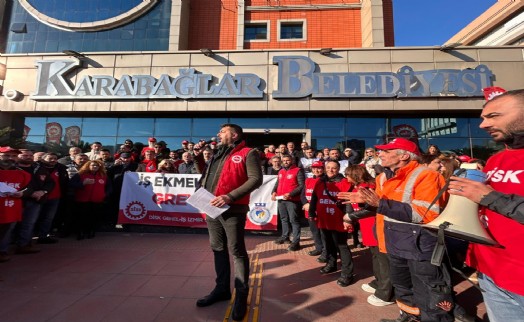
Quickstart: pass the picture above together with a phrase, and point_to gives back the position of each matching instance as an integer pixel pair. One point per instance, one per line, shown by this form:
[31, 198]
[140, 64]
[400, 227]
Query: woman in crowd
[329, 213]
[370, 161]
[431, 161]
[449, 165]
[91, 186]
[166, 166]
[433, 150]
[381, 286]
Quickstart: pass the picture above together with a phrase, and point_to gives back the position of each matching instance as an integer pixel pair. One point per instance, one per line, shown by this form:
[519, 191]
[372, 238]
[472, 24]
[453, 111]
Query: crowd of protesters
[79, 194]
[390, 193]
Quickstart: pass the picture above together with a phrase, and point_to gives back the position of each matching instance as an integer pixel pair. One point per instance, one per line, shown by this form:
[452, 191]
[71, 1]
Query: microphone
[203, 143]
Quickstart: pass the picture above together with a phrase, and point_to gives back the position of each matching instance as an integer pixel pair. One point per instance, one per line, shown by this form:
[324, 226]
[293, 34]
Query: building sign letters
[296, 79]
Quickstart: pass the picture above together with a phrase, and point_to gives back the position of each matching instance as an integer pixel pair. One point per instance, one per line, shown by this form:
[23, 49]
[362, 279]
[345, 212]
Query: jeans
[337, 242]
[27, 225]
[422, 288]
[317, 238]
[502, 305]
[47, 214]
[226, 235]
[5, 236]
[288, 211]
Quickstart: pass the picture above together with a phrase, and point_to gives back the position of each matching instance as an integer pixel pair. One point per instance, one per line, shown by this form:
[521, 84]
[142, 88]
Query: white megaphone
[460, 217]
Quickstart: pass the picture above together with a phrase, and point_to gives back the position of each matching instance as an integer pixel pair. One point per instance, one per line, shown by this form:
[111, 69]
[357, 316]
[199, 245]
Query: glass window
[362, 127]
[173, 143]
[291, 30]
[334, 142]
[35, 140]
[325, 127]
[476, 131]
[457, 145]
[484, 148]
[405, 127]
[205, 128]
[255, 31]
[99, 126]
[56, 40]
[35, 125]
[79, 11]
[270, 123]
[107, 142]
[171, 127]
[434, 127]
[136, 127]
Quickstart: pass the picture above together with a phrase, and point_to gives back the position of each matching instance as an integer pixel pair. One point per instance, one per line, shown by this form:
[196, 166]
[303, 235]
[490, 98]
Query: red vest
[328, 213]
[310, 187]
[287, 182]
[92, 192]
[504, 265]
[234, 173]
[11, 208]
[366, 224]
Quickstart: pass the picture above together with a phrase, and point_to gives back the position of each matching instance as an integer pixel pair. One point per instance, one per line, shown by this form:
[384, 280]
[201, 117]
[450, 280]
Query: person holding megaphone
[501, 200]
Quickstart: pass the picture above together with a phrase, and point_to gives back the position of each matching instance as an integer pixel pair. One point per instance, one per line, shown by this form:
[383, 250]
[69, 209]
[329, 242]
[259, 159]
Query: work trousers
[226, 235]
[317, 237]
[422, 288]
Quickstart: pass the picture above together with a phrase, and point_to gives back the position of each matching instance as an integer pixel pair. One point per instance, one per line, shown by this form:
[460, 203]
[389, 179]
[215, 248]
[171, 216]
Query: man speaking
[232, 174]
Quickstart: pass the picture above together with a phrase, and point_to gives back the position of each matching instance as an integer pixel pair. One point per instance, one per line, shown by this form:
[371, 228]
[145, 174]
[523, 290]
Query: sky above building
[432, 23]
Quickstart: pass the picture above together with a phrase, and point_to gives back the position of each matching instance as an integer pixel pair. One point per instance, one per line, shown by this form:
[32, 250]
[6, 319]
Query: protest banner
[160, 199]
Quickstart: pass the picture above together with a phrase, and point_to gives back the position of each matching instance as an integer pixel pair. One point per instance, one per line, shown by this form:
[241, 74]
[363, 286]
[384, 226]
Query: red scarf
[151, 165]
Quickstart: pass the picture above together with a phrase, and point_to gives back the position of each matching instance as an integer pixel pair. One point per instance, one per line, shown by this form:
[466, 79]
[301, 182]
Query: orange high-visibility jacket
[403, 207]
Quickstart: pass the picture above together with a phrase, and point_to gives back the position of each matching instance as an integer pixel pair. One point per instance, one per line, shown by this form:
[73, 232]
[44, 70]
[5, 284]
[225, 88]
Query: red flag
[492, 92]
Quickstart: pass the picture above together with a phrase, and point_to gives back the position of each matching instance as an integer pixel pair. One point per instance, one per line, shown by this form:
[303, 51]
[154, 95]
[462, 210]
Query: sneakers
[27, 249]
[373, 300]
[368, 288]
[4, 257]
[322, 259]
[293, 247]
[282, 240]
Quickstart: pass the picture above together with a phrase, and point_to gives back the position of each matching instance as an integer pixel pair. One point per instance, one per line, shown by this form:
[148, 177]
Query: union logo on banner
[135, 210]
[260, 215]
[53, 133]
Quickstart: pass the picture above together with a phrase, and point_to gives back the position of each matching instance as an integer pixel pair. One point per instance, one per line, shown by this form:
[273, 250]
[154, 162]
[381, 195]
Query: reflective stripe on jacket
[404, 203]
